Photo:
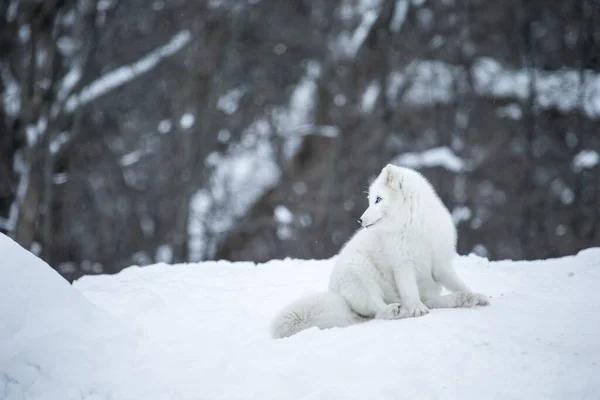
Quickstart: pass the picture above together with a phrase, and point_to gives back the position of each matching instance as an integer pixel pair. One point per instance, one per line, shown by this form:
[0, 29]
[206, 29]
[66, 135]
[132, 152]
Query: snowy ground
[199, 331]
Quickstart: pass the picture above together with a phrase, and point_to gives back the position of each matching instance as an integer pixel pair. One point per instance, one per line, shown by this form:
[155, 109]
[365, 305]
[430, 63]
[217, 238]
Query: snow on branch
[399, 15]
[559, 89]
[296, 120]
[585, 159]
[240, 177]
[126, 73]
[427, 82]
[437, 157]
[11, 96]
[349, 43]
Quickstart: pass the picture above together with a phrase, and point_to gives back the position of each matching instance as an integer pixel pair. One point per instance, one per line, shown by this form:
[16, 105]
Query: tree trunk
[28, 222]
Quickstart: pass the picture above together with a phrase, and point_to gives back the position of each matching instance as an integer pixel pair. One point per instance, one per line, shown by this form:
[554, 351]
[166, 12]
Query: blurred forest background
[134, 132]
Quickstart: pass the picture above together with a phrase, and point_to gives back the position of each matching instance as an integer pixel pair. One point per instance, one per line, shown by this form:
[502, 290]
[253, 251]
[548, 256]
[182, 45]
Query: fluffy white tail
[323, 310]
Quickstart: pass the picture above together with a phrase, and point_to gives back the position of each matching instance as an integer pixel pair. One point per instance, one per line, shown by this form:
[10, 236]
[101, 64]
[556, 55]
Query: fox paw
[420, 310]
[417, 310]
[473, 299]
[391, 311]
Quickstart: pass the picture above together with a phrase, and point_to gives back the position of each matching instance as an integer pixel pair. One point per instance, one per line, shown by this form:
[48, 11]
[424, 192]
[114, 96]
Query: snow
[164, 253]
[437, 157]
[511, 111]
[60, 178]
[187, 120]
[396, 81]
[339, 100]
[460, 214]
[68, 18]
[283, 215]
[34, 131]
[301, 105]
[66, 46]
[436, 42]
[369, 97]
[11, 95]
[238, 179]
[585, 159]
[349, 43]
[164, 126]
[126, 73]
[427, 82]
[104, 5]
[399, 16]
[480, 250]
[229, 102]
[24, 33]
[296, 120]
[562, 89]
[69, 81]
[58, 142]
[431, 82]
[200, 331]
[54, 343]
[567, 196]
[279, 49]
[426, 18]
[13, 10]
[562, 191]
[223, 136]
[130, 158]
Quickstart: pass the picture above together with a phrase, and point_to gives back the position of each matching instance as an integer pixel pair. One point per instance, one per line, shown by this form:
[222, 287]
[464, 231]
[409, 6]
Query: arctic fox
[393, 267]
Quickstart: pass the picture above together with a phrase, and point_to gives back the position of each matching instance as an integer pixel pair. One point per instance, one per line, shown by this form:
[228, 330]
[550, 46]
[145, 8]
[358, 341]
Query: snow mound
[54, 343]
[203, 334]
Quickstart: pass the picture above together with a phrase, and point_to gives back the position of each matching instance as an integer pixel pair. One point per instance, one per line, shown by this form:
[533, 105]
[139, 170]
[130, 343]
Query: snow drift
[200, 331]
[54, 343]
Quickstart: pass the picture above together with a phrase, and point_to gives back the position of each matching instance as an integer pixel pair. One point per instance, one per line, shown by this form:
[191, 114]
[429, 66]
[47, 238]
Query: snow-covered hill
[199, 331]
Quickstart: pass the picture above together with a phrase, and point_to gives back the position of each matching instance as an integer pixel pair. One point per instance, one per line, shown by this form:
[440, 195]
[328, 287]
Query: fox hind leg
[365, 298]
[457, 299]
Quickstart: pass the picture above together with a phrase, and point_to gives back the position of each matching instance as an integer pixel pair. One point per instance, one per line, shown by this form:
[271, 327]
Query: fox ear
[391, 179]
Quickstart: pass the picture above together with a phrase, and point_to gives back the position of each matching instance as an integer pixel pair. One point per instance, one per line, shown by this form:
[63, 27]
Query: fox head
[392, 196]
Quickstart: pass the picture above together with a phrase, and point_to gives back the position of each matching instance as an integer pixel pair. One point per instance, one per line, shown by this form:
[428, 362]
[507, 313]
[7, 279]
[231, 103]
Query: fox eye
[378, 199]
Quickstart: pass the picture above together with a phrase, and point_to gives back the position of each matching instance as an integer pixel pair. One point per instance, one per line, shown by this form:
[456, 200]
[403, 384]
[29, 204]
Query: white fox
[393, 267]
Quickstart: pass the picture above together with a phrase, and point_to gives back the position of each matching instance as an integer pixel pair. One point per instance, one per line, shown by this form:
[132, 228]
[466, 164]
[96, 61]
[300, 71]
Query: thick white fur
[394, 267]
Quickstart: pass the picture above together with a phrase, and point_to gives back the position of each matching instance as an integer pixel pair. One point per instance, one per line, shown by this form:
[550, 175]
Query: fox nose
[360, 221]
